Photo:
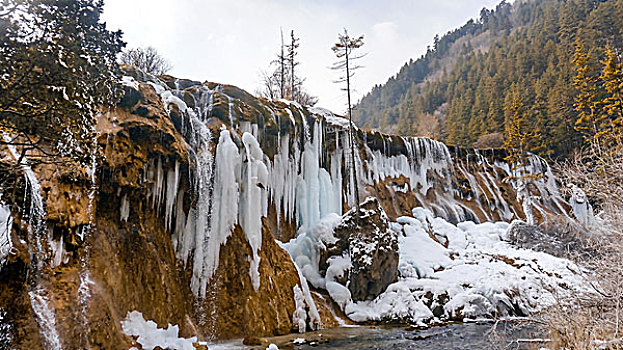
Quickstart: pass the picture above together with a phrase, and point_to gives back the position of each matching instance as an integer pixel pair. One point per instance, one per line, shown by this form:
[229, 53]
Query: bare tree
[146, 59]
[283, 82]
[292, 53]
[305, 99]
[281, 72]
[344, 50]
[270, 87]
[594, 319]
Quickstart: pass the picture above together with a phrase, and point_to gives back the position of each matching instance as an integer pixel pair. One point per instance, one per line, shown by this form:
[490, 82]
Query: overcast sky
[231, 41]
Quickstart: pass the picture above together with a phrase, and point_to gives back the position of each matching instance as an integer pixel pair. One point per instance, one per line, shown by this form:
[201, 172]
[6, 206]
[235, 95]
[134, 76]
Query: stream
[476, 336]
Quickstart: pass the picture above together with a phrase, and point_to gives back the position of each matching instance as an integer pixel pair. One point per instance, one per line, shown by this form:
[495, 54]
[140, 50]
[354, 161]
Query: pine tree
[293, 63]
[344, 49]
[516, 126]
[281, 72]
[612, 78]
[588, 102]
[518, 139]
[57, 69]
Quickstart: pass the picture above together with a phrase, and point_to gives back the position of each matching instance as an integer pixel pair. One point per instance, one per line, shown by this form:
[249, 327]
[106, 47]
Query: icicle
[223, 212]
[6, 222]
[39, 304]
[253, 201]
[171, 193]
[58, 250]
[231, 111]
[158, 186]
[315, 196]
[299, 318]
[124, 209]
[313, 315]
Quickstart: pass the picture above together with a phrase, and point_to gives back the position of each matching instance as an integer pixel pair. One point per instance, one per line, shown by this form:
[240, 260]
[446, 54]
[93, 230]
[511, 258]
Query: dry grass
[593, 320]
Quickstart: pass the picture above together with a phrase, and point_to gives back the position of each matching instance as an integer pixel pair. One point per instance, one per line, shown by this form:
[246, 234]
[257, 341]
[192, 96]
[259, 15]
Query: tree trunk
[351, 137]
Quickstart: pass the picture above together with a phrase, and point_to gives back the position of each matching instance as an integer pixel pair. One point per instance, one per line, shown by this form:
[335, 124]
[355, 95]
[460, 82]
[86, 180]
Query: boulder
[373, 249]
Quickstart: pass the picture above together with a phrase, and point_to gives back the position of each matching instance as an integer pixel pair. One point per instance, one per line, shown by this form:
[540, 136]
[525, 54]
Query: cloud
[231, 41]
[386, 31]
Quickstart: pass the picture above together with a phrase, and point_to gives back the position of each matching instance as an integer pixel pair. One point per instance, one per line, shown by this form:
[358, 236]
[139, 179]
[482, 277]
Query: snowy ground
[149, 336]
[466, 271]
[451, 272]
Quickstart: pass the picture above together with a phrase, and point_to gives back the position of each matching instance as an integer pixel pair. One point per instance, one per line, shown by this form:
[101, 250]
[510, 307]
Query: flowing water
[84, 289]
[39, 295]
[466, 336]
[459, 336]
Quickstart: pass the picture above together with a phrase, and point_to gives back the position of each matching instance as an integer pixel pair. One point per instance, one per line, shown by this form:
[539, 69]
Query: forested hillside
[459, 90]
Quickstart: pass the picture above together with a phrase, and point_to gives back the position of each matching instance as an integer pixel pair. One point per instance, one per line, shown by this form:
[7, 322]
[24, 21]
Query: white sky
[231, 41]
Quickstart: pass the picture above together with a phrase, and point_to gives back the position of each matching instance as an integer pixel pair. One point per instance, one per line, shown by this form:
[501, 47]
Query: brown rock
[373, 249]
[251, 341]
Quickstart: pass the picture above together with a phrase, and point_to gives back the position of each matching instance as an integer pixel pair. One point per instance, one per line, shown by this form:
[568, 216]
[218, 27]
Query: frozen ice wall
[318, 191]
[229, 177]
[277, 153]
[466, 185]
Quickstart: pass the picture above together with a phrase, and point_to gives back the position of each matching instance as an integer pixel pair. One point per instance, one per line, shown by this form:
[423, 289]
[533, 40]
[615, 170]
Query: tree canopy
[146, 59]
[466, 80]
[57, 68]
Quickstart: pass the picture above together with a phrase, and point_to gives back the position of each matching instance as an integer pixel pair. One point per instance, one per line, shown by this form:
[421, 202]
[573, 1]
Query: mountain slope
[458, 90]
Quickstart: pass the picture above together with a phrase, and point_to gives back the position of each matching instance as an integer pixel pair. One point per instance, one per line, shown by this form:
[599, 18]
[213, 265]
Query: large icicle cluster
[230, 185]
[318, 192]
[309, 181]
[423, 156]
[253, 201]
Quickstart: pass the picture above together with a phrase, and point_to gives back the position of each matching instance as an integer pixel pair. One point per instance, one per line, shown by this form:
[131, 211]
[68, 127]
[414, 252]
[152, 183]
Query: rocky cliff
[202, 211]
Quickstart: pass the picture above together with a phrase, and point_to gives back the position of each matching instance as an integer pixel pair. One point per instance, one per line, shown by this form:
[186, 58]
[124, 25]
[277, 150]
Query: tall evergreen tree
[519, 136]
[612, 77]
[57, 67]
[588, 102]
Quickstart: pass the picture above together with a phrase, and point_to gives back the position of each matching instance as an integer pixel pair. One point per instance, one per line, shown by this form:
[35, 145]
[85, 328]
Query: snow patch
[477, 275]
[150, 336]
[129, 82]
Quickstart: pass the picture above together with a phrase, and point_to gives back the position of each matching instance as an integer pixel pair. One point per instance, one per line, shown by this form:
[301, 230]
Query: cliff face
[196, 188]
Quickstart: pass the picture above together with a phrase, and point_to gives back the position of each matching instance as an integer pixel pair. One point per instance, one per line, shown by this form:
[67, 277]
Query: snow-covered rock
[372, 247]
[149, 336]
[478, 274]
